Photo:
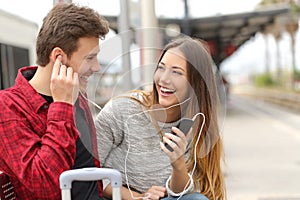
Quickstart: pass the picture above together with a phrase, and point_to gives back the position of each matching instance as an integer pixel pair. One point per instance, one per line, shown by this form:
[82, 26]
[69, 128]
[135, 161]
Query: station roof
[224, 33]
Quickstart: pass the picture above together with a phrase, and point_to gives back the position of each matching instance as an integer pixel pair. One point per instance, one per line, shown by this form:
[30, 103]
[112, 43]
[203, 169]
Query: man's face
[84, 60]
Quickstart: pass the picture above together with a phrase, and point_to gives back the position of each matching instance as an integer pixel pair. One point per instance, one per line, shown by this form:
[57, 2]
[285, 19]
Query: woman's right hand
[155, 193]
[177, 142]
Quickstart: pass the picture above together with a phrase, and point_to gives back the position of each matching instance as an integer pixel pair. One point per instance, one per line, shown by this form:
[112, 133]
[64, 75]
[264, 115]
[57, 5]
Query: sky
[35, 10]
[249, 58]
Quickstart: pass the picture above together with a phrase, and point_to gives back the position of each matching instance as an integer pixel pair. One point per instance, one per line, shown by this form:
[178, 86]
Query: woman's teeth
[166, 90]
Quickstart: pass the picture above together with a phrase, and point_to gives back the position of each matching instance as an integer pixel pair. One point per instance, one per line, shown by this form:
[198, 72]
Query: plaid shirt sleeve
[35, 150]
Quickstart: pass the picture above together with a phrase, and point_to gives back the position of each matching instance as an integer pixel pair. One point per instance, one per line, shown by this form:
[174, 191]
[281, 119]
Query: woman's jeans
[189, 196]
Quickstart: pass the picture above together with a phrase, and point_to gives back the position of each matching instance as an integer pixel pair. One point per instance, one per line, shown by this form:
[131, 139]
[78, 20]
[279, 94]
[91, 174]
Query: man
[45, 123]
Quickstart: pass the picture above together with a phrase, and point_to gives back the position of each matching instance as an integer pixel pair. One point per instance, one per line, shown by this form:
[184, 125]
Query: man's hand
[64, 84]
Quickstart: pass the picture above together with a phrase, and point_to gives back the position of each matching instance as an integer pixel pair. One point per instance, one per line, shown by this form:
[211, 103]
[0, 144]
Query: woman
[133, 130]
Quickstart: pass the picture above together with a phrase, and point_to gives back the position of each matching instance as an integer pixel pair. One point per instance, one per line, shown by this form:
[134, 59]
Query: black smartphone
[184, 125]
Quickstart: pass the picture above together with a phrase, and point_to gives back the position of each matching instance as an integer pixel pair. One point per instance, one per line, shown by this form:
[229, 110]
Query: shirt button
[46, 106]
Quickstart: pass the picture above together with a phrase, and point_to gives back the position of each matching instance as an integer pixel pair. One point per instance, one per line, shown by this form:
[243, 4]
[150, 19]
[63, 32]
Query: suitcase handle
[89, 174]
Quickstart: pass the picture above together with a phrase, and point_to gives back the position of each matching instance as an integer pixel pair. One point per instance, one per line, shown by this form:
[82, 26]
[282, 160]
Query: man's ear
[56, 52]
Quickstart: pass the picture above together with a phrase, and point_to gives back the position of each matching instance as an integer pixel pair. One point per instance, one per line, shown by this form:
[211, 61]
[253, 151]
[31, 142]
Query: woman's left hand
[177, 142]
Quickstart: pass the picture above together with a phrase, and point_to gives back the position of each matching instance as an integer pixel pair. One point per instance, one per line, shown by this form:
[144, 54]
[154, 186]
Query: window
[11, 59]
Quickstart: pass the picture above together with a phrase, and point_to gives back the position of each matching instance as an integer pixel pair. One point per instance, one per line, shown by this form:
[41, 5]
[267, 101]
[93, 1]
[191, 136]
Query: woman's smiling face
[170, 78]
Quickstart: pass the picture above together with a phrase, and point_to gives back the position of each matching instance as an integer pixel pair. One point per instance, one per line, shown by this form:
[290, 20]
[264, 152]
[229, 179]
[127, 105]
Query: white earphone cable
[195, 152]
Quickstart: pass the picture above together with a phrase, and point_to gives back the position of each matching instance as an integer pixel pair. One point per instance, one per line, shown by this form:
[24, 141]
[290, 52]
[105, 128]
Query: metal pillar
[149, 40]
[126, 35]
[185, 22]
